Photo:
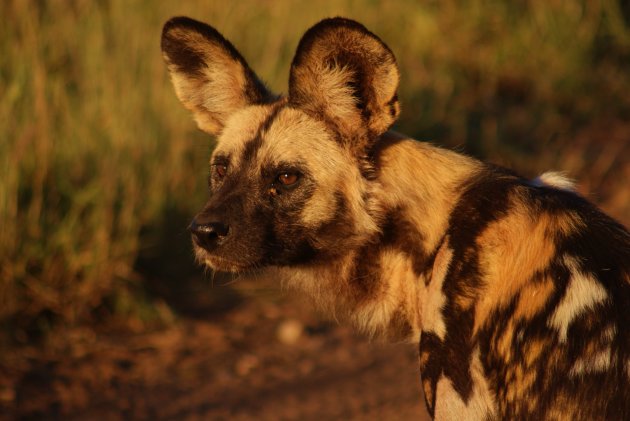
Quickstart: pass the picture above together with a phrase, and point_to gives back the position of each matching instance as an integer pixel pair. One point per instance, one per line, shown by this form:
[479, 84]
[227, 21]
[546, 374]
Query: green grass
[96, 152]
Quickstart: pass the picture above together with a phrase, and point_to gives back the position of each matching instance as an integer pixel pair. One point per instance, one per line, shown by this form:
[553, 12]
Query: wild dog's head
[290, 176]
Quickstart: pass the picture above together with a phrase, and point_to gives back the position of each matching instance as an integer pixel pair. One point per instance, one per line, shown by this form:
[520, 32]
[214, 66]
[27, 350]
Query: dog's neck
[424, 182]
[381, 286]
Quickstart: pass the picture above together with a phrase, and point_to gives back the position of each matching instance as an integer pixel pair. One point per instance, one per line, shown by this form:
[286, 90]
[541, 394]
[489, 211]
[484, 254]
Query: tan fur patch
[435, 192]
[242, 127]
[329, 89]
[427, 389]
[504, 344]
[402, 293]
[593, 363]
[533, 350]
[424, 357]
[508, 246]
[533, 298]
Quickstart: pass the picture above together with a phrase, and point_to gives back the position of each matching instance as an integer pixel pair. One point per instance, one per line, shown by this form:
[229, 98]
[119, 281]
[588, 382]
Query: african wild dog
[518, 290]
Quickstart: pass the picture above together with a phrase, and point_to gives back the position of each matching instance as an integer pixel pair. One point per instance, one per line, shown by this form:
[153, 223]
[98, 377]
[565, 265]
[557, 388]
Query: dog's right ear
[210, 77]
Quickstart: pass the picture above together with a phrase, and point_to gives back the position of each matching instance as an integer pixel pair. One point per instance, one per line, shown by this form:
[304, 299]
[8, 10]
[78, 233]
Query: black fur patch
[401, 235]
[252, 146]
[433, 367]
[399, 326]
[314, 33]
[485, 200]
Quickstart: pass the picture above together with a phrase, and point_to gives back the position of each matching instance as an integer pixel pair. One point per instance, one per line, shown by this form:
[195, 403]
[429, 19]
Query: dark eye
[220, 170]
[288, 178]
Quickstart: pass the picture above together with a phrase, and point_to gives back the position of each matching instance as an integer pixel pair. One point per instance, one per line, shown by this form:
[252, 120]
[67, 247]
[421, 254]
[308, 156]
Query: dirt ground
[250, 353]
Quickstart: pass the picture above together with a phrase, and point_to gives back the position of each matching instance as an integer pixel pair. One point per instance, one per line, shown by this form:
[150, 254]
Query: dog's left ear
[347, 75]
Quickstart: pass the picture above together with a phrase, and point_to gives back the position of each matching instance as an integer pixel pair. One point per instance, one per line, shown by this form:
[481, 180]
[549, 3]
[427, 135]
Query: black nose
[208, 234]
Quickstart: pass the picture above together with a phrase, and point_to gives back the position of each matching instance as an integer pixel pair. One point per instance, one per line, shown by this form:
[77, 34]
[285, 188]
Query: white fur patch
[583, 293]
[554, 179]
[449, 404]
[432, 320]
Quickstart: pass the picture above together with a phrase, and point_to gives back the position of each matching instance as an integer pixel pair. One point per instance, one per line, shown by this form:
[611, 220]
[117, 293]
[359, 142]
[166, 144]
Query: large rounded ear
[210, 77]
[345, 74]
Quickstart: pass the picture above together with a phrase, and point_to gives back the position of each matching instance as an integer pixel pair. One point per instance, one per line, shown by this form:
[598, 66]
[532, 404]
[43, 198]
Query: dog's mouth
[220, 263]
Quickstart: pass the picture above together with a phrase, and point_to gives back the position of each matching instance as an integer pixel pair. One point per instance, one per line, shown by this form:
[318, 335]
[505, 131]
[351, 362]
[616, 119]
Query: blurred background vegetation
[101, 168]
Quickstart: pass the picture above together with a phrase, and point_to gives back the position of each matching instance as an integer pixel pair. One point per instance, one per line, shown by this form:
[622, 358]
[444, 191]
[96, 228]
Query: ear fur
[210, 77]
[347, 75]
